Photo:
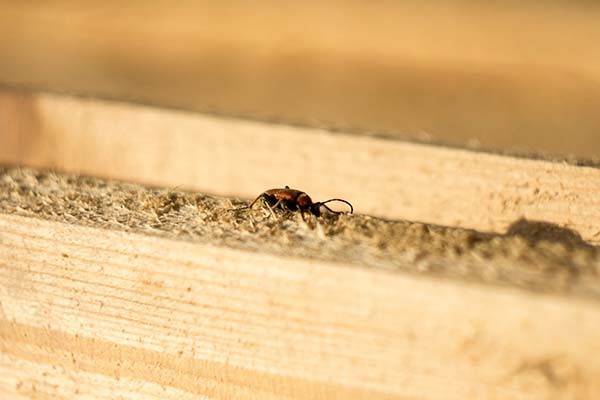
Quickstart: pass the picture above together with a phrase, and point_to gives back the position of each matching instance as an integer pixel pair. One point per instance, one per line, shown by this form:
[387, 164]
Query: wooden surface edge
[173, 317]
[387, 178]
[455, 73]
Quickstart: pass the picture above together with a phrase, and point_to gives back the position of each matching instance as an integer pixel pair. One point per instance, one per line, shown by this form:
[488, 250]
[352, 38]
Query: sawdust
[532, 255]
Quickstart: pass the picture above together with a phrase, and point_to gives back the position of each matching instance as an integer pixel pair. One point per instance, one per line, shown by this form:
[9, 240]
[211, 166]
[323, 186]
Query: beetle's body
[294, 199]
[291, 198]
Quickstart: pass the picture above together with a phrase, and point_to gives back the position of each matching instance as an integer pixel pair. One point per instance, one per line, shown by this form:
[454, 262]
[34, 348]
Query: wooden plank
[387, 178]
[533, 256]
[25, 379]
[130, 313]
[454, 72]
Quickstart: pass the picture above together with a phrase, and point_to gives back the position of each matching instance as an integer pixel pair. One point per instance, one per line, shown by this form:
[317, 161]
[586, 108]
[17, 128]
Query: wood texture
[387, 178]
[90, 313]
[503, 74]
[534, 256]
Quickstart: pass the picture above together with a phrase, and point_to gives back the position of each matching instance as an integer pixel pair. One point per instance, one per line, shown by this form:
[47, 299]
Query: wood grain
[96, 313]
[459, 72]
[388, 178]
[129, 313]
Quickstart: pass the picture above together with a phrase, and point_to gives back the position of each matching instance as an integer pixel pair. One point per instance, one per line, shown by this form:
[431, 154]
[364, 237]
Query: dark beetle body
[296, 200]
[291, 198]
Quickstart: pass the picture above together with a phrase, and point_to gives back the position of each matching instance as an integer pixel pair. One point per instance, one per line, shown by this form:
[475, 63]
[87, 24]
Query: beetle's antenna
[322, 203]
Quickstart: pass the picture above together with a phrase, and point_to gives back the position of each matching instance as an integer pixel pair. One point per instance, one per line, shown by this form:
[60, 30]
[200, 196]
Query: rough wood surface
[112, 289]
[92, 313]
[388, 178]
[532, 255]
[461, 71]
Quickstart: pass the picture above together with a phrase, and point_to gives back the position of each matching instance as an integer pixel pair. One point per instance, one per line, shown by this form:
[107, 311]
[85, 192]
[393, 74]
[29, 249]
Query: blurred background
[517, 75]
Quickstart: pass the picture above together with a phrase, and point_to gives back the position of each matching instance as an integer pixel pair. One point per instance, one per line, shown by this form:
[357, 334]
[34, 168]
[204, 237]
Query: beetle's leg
[272, 207]
[262, 195]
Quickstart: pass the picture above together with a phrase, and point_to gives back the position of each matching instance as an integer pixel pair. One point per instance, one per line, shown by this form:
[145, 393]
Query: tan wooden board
[388, 178]
[92, 313]
[533, 256]
[502, 74]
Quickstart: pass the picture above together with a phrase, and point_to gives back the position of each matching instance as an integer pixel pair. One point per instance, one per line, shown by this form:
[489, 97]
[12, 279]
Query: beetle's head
[315, 209]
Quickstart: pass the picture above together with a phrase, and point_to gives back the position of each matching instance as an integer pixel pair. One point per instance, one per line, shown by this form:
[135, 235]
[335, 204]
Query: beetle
[294, 200]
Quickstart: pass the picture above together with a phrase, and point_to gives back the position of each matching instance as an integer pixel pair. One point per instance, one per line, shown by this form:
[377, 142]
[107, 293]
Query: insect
[295, 200]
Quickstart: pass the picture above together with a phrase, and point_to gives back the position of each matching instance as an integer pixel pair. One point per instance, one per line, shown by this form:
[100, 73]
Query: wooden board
[500, 74]
[92, 313]
[388, 178]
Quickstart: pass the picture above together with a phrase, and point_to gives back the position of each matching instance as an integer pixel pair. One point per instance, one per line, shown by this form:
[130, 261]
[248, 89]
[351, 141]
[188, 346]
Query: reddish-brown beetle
[295, 200]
